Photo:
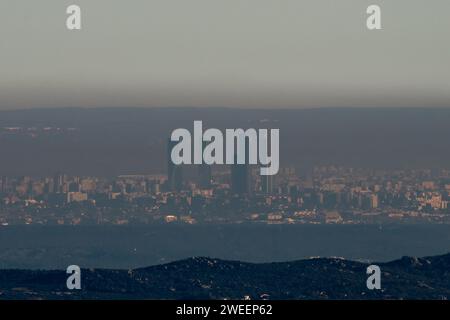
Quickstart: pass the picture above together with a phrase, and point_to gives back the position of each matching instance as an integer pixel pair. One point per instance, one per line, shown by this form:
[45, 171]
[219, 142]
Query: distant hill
[114, 141]
[206, 278]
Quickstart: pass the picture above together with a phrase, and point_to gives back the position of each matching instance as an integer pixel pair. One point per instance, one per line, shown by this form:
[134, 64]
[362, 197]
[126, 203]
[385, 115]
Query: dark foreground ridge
[206, 278]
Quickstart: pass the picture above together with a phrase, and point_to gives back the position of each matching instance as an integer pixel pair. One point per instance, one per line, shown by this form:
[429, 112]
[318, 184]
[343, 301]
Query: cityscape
[234, 194]
[214, 158]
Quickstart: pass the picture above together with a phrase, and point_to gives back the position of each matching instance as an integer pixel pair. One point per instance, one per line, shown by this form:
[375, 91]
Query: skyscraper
[240, 177]
[267, 184]
[174, 172]
[204, 176]
[204, 173]
[59, 182]
[4, 184]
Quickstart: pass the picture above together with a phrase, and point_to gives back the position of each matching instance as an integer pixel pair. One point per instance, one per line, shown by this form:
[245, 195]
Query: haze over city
[256, 53]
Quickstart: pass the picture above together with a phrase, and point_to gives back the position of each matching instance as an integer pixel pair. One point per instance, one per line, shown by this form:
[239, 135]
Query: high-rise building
[241, 175]
[374, 201]
[240, 179]
[204, 173]
[4, 184]
[267, 184]
[59, 182]
[174, 172]
[204, 176]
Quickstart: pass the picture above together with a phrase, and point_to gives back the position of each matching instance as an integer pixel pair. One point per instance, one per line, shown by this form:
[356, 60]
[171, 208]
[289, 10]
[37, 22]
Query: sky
[224, 53]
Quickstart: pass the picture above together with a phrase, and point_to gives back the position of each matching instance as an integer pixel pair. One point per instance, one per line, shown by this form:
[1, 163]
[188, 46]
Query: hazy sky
[238, 53]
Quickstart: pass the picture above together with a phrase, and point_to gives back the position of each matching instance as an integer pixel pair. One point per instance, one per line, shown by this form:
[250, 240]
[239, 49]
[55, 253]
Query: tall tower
[267, 184]
[4, 184]
[58, 183]
[241, 175]
[174, 172]
[204, 173]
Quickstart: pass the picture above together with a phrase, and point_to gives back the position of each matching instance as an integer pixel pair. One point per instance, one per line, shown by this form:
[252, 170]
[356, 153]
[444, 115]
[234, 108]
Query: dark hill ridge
[206, 278]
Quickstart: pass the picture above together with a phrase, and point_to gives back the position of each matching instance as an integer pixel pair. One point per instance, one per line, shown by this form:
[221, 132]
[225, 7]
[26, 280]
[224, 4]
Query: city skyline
[327, 195]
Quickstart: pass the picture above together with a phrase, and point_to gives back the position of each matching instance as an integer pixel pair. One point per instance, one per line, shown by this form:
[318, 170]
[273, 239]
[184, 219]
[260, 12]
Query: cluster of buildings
[232, 194]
